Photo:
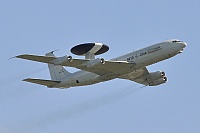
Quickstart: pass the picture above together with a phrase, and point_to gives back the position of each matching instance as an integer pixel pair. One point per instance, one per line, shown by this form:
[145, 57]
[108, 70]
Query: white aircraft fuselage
[141, 58]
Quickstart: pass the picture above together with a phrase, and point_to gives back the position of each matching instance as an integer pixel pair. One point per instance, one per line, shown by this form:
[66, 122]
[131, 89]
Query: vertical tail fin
[57, 73]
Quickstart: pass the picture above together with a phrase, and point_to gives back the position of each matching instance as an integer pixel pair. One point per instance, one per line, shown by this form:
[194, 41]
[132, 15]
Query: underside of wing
[48, 83]
[44, 59]
[53, 60]
[136, 75]
[110, 67]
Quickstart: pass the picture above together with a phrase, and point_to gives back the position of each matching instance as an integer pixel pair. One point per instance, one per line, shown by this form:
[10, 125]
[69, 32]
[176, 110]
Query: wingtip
[25, 79]
[12, 58]
[19, 56]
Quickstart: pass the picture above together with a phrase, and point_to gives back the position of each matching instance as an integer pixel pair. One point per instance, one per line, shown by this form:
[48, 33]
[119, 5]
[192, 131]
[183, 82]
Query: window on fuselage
[176, 41]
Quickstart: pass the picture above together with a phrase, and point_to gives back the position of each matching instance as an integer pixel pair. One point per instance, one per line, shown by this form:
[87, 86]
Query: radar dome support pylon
[89, 50]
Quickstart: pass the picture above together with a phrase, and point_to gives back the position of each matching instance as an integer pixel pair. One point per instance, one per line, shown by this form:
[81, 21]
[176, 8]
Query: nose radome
[183, 44]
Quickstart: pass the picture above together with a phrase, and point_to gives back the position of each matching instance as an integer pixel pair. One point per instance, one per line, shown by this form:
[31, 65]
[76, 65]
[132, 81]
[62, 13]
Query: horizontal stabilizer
[48, 83]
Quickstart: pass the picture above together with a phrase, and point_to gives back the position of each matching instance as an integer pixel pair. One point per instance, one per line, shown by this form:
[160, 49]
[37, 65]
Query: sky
[40, 26]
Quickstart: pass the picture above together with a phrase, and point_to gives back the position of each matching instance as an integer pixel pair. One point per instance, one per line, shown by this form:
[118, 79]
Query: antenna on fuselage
[89, 50]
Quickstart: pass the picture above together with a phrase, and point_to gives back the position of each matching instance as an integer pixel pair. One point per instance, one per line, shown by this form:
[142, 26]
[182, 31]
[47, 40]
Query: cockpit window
[176, 41]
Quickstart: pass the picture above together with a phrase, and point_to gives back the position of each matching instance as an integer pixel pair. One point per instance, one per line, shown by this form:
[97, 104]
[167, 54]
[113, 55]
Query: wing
[137, 76]
[44, 59]
[48, 83]
[110, 68]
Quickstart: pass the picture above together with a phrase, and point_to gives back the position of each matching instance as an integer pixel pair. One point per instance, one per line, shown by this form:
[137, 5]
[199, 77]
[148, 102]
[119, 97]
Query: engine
[61, 60]
[156, 78]
[155, 75]
[95, 62]
[158, 81]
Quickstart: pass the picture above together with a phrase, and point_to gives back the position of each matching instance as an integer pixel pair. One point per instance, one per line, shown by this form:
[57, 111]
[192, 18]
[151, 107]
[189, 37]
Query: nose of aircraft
[183, 44]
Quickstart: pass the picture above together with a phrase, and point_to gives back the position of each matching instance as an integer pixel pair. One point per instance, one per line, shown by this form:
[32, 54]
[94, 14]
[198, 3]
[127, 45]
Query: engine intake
[155, 78]
[158, 81]
[155, 75]
[62, 60]
[95, 62]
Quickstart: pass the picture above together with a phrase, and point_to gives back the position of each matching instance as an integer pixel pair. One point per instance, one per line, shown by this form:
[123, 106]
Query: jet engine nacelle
[61, 60]
[158, 81]
[95, 62]
[155, 75]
